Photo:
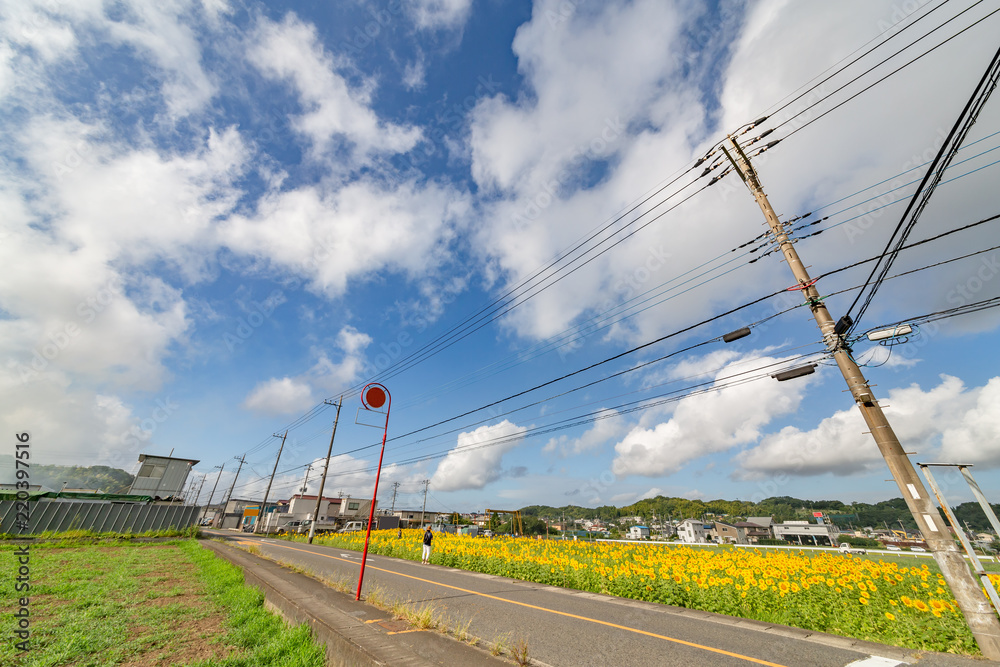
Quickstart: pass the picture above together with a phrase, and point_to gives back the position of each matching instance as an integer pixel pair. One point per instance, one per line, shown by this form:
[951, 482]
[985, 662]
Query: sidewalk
[355, 633]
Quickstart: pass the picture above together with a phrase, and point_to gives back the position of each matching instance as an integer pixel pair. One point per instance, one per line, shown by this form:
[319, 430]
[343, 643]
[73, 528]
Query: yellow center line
[545, 609]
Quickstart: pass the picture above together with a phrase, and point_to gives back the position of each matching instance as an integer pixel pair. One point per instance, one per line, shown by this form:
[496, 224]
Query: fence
[97, 516]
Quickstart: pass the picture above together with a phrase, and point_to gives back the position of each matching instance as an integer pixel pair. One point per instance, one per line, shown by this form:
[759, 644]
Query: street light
[795, 373]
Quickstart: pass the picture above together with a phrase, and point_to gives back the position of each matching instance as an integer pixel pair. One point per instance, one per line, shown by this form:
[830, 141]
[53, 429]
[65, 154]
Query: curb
[345, 626]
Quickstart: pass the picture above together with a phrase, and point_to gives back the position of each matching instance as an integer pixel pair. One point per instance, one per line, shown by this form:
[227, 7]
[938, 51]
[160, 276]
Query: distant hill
[105, 478]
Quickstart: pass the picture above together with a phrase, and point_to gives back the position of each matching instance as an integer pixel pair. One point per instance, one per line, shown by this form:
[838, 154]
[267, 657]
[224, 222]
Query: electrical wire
[877, 82]
[926, 189]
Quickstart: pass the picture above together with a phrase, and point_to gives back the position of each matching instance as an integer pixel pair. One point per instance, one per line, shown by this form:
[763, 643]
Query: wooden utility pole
[974, 605]
[260, 513]
[242, 460]
[326, 467]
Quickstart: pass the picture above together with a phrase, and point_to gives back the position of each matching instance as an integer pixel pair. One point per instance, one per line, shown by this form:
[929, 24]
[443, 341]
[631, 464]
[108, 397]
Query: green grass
[147, 603]
[82, 536]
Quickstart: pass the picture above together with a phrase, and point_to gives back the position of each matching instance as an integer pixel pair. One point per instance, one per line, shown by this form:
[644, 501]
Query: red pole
[374, 399]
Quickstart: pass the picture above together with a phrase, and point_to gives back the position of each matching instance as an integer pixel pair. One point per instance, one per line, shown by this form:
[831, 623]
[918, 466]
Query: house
[764, 522]
[754, 532]
[693, 531]
[725, 533]
[638, 533]
[417, 518]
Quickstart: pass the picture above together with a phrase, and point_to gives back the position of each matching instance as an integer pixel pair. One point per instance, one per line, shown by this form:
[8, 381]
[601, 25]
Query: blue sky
[222, 216]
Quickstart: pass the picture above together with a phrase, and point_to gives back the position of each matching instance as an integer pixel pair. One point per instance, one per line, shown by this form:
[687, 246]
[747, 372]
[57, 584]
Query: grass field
[139, 604]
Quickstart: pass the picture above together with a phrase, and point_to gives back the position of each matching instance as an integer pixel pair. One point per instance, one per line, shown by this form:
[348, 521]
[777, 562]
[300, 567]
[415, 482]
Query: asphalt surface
[569, 628]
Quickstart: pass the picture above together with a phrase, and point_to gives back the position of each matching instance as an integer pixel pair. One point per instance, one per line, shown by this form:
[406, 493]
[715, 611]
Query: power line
[932, 177]
[878, 81]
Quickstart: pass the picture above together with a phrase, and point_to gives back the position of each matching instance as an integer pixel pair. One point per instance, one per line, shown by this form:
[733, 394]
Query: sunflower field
[880, 601]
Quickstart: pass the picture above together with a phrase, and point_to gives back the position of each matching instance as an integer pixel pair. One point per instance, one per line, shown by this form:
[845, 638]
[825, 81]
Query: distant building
[725, 533]
[691, 531]
[754, 532]
[161, 477]
[638, 533]
[412, 518]
[805, 533]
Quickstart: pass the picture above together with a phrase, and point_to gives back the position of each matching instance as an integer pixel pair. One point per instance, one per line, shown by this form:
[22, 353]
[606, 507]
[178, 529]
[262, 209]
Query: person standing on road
[428, 536]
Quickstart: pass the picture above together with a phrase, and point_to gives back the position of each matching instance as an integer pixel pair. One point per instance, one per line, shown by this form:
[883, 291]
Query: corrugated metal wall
[100, 517]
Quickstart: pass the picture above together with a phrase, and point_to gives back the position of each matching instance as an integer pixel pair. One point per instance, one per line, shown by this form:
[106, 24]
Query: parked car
[353, 526]
[892, 547]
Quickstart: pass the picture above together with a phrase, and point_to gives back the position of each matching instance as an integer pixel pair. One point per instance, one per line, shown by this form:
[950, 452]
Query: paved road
[570, 628]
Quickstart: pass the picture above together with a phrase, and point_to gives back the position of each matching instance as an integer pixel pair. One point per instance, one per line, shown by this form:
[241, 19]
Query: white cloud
[477, 458]
[975, 435]
[437, 14]
[711, 422]
[609, 427]
[948, 422]
[652, 493]
[334, 110]
[415, 75]
[288, 395]
[280, 397]
[331, 236]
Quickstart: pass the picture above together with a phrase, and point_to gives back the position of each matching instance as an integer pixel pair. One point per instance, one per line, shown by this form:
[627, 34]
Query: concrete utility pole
[977, 610]
[212, 495]
[395, 486]
[326, 467]
[426, 483]
[200, 485]
[242, 460]
[267, 492]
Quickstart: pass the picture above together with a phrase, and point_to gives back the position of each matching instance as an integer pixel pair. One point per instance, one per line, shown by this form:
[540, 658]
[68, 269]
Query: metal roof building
[161, 477]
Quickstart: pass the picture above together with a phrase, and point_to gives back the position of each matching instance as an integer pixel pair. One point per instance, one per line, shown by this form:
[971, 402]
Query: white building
[638, 533]
[693, 531]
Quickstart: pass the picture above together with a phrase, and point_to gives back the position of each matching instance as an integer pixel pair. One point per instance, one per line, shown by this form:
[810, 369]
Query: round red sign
[375, 397]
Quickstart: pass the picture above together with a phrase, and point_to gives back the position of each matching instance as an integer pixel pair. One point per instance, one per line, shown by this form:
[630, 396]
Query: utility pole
[260, 514]
[200, 485]
[326, 467]
[305, 484]
[242, 460]
[426, 483]
[975, 607]
[212, 495]
[395, 486]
